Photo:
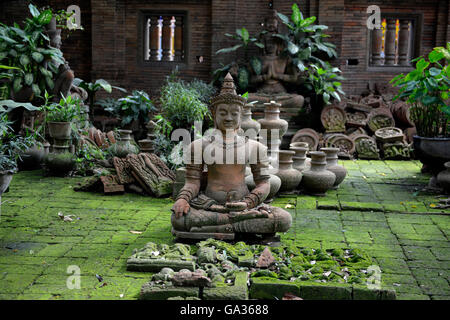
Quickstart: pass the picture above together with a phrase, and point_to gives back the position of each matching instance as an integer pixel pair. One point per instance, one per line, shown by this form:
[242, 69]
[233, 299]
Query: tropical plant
[325, 82]
[92, 88]
[245, 39]
[12, 145]
[426, 89]
[26, 56]
[304, 40]
[136, 106]
[181, 104]
[67, 110]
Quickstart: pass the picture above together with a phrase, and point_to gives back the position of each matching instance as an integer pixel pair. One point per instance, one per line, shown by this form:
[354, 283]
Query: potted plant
[11, 147]
[60, 115]
[426, 89]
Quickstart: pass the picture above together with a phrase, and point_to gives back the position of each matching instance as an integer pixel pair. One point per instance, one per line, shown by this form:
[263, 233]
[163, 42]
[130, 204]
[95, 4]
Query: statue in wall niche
[63, 84]
[226, 206]
[276, 70]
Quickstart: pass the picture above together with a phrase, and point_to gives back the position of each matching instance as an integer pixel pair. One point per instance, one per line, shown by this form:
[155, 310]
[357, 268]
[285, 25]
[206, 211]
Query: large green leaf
[37, 56]
[33, 10]
[8, 39]
[10, 105]
[292, 48]
[227, 50]
[308, 21]
[104, 84]
[421, 65]
[297, 16]
[284, 19]
[28, 79]
[45, 17]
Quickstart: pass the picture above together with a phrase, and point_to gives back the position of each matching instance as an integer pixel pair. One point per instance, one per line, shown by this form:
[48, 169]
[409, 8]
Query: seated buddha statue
[276, 70]
[226, 206]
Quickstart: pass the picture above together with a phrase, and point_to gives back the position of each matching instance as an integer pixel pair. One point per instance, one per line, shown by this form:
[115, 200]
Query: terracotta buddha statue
[64, 79]
[276, 70]
[226, 206]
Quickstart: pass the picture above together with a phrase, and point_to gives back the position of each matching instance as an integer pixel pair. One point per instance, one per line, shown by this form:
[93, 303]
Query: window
[164, 37]
[394, 45]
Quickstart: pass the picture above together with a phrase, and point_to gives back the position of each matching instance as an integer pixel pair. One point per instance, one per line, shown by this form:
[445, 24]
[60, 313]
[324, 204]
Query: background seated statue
[226, 206]
[276, 70]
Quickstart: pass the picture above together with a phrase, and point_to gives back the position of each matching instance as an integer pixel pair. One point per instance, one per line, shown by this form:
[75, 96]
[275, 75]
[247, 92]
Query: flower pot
[433, 153]
[333, 166]
[317, 180]
[60, 130]
[443, 178]
[290, 177]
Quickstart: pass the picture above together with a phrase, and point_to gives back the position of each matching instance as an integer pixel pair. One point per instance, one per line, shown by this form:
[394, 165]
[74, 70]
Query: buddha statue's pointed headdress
[227, 94]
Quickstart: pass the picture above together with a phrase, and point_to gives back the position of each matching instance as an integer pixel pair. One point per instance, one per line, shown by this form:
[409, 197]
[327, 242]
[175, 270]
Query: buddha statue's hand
[236, 206]
[248, 214]
[181, 207]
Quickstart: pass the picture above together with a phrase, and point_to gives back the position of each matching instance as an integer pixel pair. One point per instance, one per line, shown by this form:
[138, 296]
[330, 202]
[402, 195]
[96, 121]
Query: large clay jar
[290, 177]
[333, 166]
[443, 178]
[274, 181]
[123, 146]
[249, 126]
[299, 158]
[301, 145]
[317, 180]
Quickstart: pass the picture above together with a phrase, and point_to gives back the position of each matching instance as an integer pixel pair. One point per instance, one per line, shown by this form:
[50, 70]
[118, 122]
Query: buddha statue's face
[227, 117]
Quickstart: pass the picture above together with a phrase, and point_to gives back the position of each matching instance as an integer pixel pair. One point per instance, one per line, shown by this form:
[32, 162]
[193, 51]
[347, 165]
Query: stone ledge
[269, 288]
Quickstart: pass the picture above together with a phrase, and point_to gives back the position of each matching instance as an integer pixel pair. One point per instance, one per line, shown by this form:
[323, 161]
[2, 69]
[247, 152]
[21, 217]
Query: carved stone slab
[333, 119]
[389, 134]
[343, 142]
[380, 118]
[356, 119]
[308, 135]
[366, 147]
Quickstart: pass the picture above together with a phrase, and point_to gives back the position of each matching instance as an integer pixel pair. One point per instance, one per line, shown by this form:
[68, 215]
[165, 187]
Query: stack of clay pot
[251, 129]
[147, 145]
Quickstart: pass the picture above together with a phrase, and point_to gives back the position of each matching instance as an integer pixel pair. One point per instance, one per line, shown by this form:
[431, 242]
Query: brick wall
[109, 46]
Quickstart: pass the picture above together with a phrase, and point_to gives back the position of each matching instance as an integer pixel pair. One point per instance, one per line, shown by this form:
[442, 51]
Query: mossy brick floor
[379, 208]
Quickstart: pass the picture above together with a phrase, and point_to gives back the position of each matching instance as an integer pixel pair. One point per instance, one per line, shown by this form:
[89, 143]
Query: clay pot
[59, 130]
[299, 158]
[290, 177]
[271, 120]
[275, 184]
[443, 178]
[276, 128]
[123, 146]
[317, 180]
[333, 166]
[247, 123]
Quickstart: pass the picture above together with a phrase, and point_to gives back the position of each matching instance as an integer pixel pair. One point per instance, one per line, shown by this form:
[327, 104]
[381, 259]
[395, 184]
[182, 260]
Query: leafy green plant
[12, 145]
[92, 88]
[245, 40]
[304, 40]
[426, 89]
[26, 56]
[181, 105]
[325, 82]
[66, 110]
[136, 106]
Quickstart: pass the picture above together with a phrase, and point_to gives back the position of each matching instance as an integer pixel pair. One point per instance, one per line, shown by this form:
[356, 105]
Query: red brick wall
[109, 46]
[348, 30]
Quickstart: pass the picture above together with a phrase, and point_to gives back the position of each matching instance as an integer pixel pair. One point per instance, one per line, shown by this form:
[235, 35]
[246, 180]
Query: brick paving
[380, 207]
